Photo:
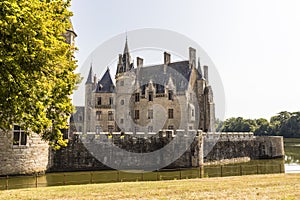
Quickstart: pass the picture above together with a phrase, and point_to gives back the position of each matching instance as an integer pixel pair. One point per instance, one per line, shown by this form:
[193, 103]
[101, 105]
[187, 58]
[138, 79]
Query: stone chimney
[95, 79]
[192, 57]
[205, 69]
[167, 58]
[139, 62]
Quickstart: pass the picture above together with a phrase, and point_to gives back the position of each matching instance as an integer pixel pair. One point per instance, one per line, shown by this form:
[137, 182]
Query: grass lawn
[275, 186]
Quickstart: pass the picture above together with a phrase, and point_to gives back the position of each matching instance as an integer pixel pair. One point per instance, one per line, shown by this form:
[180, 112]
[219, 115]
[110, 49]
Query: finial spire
[126, 49]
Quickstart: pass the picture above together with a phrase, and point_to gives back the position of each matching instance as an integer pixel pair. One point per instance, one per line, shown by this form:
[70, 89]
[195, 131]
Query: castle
[145, 100]
[168, 96]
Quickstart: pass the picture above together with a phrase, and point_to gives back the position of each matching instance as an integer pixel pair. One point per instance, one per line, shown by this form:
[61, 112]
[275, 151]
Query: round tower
[125, 81]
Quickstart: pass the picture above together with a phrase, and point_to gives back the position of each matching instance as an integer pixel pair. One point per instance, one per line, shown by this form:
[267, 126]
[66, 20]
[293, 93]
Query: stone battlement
[174, 133]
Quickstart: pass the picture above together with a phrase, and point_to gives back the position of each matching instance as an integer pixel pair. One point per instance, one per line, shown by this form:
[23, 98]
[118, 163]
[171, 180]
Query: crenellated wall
[216, 147]
[240, 145]
[81, 152]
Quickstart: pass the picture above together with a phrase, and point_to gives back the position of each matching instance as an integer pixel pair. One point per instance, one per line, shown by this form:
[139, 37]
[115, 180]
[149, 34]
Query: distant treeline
[285, 124]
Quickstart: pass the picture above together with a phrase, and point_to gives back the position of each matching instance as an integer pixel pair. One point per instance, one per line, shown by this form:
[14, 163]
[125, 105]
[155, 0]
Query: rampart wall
[78, 155]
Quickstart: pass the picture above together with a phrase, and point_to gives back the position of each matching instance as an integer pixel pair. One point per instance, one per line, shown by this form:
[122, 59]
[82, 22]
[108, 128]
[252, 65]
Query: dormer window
[100, 87]
[150, 96]
[170, 95]
[137, 97]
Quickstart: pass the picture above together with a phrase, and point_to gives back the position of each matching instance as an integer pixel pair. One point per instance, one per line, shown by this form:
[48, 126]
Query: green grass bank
[272, 186]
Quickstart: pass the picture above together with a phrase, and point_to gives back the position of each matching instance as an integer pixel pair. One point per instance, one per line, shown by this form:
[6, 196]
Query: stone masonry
[25, 159]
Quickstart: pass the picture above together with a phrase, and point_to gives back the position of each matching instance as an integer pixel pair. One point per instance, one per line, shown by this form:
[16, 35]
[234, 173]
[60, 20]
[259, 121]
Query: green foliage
[238, 125]
[285, 124]
[288, 124]
[37, 67]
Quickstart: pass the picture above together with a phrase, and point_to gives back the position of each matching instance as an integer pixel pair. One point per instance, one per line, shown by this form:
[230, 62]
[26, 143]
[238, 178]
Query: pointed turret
[90, 76]
[126, 49]
[124, 64]
[105, 85]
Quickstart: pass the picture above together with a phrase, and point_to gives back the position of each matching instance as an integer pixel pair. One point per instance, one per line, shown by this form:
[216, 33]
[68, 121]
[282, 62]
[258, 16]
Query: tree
[238, 125]
[263, 127]
[37, 67]
[291, 127]
[277, 121]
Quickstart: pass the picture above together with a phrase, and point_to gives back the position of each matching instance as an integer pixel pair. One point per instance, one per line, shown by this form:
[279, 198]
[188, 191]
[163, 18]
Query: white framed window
[98, 115]
[20, 137]
[170, 113]
[110, 116]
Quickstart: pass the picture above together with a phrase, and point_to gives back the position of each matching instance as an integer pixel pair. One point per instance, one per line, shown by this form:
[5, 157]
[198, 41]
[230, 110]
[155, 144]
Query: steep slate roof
[105, 85]
[90, 76]
[179, 72]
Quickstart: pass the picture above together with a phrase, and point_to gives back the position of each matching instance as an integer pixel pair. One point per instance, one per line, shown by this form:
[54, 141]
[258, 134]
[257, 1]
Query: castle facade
[144, 99]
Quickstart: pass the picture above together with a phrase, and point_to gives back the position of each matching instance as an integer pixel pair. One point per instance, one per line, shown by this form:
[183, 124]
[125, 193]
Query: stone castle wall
[77, 156]
[26, 159]
[240, 145]
[34, 157]
[80, 155]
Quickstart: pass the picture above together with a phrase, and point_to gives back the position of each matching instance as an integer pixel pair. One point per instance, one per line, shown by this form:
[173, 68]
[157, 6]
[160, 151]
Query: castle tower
[125, 82]
[104, 110]
[201, 84]
[89, 88]
[124, 64]
[205, 101]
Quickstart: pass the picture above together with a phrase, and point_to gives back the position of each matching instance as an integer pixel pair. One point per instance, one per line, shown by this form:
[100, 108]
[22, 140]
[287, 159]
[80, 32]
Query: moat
[290, 164]
[292, 155]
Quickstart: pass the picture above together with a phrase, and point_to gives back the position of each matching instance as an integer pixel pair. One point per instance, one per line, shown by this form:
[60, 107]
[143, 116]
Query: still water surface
[292, 155]
[290, 164]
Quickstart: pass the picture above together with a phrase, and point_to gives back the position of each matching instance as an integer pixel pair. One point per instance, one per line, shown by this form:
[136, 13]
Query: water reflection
[290, 164]
[292, 155]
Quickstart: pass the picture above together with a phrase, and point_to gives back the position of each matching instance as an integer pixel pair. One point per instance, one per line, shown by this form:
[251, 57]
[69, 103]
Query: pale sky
[254, 44]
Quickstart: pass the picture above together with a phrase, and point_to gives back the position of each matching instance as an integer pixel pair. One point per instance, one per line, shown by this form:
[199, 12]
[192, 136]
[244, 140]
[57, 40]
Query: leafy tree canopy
[37, 67]
[285, 124]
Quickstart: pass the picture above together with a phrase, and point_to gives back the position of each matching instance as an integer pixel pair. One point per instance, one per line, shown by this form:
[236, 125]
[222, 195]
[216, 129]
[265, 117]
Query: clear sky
[255, 44]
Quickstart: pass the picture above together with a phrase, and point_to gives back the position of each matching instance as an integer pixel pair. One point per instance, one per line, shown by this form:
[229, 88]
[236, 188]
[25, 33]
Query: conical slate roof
[105, 85]
[90, 76]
